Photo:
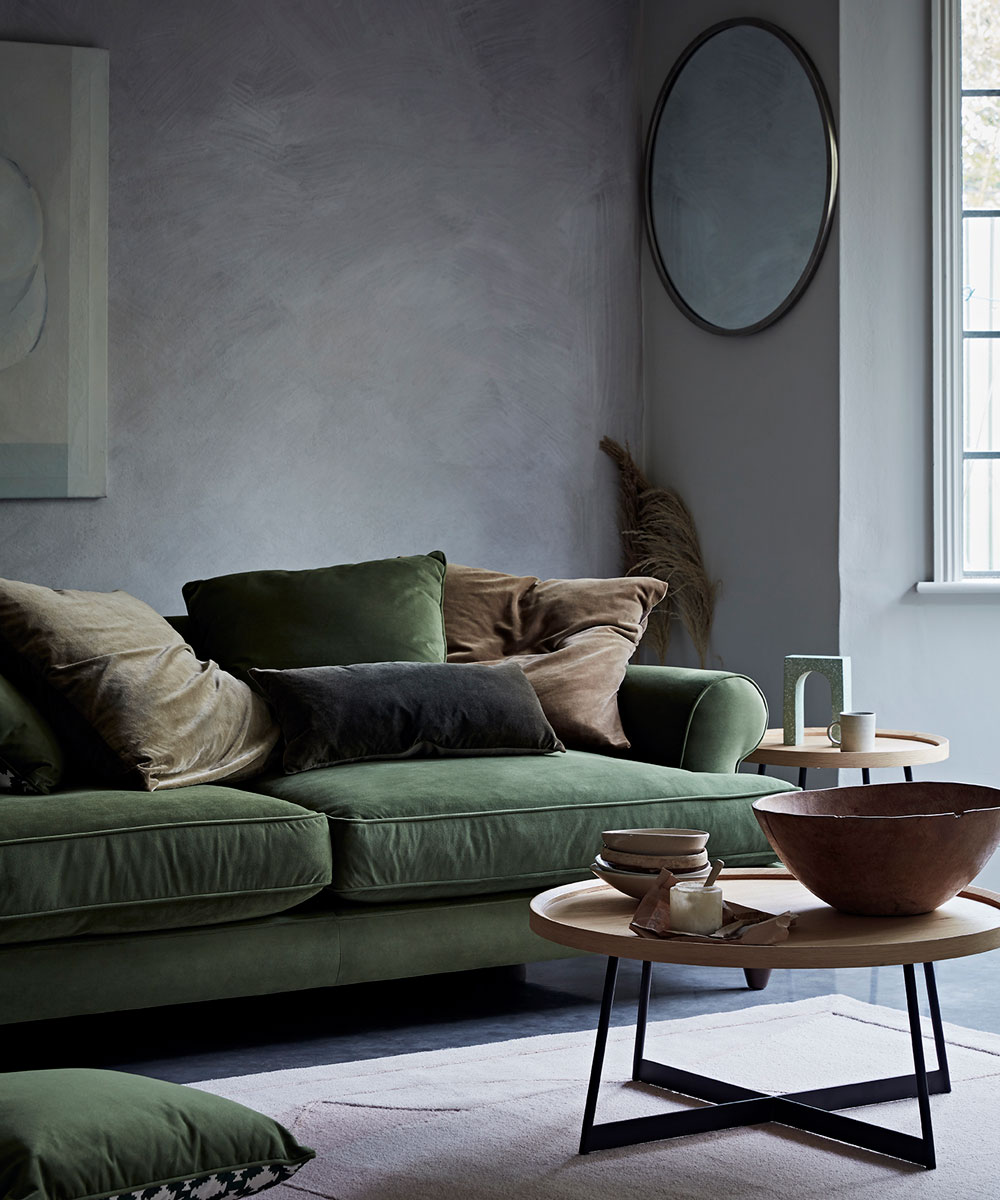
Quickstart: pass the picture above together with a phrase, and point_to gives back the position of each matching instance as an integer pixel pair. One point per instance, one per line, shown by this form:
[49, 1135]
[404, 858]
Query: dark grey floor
[211, 1041]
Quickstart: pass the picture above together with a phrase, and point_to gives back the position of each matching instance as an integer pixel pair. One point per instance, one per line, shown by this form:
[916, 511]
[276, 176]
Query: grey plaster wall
[374, 287]
[747, 428]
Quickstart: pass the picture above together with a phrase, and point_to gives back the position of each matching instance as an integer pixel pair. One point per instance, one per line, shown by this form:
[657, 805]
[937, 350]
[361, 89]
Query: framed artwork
[53, 270]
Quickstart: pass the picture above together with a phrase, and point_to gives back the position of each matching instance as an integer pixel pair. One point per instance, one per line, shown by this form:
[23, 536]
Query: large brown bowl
[885, 850]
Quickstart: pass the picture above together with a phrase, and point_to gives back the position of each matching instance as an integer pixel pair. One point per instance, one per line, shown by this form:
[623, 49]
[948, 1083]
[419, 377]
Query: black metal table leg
[919, 1069]
[640, 1024]
[802, 776]
[908, 774]
[930, 983]
[731, 1105]
[866, 775]
[607, 1002]
[760, 768]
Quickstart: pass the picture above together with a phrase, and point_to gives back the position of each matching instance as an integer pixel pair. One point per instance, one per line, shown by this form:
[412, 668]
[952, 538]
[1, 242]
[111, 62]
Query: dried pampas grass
[659, 539]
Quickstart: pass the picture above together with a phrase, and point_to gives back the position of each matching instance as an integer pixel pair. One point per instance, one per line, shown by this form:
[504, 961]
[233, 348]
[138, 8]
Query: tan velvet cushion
[169, 718]
[572, 637]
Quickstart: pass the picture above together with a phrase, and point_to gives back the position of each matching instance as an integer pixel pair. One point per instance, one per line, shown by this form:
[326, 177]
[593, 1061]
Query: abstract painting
[53, 270]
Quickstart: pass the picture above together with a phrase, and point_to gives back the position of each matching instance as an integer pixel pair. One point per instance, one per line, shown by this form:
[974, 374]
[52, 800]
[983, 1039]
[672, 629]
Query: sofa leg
[757, 977]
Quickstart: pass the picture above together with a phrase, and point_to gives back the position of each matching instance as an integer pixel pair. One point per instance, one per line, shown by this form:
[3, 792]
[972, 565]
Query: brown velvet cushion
[572, 637]
[168, 718]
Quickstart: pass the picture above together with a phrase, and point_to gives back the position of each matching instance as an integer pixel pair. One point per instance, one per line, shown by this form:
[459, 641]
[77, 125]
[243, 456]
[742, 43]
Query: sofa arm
[698, 720]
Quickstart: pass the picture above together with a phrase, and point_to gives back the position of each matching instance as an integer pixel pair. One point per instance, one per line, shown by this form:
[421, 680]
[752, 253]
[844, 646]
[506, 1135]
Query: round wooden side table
[595, 918]
[893, 748]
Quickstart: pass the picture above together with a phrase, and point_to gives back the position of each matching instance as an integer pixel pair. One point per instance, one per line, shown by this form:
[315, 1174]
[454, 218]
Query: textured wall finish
[374, 287]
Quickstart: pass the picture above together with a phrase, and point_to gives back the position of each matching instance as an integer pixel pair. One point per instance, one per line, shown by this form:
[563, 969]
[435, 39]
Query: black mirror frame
[829, 129]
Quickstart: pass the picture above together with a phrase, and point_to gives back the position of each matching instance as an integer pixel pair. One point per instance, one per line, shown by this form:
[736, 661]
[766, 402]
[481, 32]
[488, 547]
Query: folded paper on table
[748, 926]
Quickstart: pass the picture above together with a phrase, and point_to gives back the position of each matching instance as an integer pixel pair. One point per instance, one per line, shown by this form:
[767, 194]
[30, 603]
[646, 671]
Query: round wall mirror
[740, 176]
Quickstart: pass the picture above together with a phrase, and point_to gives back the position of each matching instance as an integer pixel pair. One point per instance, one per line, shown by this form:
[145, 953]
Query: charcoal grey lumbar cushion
[331, 715]
[75, 1133]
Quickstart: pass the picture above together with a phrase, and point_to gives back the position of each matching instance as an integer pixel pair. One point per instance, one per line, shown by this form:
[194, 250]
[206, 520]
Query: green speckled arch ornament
[835, 668]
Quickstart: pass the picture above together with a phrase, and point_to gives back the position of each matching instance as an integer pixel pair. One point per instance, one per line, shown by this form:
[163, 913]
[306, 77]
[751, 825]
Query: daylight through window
[980, 173]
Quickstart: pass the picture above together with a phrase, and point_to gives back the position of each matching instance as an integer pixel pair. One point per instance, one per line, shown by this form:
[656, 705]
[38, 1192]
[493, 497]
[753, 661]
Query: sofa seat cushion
[90, 862]
[426, 828]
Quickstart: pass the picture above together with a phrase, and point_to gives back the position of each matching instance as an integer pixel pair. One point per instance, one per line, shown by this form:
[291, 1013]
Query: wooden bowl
[656, 841]
[884, 850]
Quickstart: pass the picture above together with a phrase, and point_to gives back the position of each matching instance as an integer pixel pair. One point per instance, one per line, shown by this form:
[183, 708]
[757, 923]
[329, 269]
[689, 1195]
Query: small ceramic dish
[637, 883]
[653, 862]
[680, 872]
[656, 841]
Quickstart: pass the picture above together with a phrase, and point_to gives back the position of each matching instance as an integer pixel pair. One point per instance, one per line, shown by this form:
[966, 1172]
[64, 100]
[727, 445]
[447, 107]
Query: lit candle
[695, 908]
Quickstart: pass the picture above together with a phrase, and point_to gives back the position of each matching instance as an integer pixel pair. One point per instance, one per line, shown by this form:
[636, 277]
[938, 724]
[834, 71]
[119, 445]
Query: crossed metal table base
[813, 1111]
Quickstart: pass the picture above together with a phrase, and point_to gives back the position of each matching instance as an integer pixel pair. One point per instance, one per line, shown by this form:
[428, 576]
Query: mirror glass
[741, 175]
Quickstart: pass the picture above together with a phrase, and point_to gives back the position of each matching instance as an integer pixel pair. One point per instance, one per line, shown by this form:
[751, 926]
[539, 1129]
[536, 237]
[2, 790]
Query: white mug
[856, 732]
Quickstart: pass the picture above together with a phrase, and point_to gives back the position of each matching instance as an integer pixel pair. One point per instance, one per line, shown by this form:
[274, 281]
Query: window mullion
[947, 251]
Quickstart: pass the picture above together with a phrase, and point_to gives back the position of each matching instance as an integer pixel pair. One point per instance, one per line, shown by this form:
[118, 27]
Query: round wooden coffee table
[893, 748]
[594, 917]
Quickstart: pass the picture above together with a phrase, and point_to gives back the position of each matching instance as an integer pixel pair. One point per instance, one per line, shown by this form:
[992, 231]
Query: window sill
[960, 587]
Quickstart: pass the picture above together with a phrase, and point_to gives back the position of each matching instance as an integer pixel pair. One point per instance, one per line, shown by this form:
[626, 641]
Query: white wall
[373, 287]
[922, 662]
[747, 428]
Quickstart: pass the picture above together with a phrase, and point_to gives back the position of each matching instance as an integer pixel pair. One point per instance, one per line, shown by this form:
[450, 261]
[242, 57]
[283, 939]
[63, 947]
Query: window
[967, 272]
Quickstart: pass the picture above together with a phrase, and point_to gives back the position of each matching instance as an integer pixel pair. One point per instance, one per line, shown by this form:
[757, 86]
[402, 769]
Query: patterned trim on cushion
[229, 1184]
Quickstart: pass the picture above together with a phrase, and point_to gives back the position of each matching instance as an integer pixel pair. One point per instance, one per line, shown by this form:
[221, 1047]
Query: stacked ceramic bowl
[631, 859]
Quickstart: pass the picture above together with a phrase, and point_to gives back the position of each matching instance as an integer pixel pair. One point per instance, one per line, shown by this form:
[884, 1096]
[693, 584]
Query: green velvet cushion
[110, 862]
[74, 1133]
[384, 611]
[332, 715]
[423, 828]
[29, 751]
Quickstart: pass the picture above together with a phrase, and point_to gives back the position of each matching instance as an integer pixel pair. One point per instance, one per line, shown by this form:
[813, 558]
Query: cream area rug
[502, 1121]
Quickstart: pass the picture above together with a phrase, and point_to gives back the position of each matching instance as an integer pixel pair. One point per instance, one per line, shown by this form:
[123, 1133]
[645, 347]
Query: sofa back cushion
[165, 717]
[384, 611]
[572, 637]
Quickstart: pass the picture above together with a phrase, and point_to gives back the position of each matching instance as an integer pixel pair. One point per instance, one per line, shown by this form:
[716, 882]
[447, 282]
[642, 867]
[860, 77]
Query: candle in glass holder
[695, 908]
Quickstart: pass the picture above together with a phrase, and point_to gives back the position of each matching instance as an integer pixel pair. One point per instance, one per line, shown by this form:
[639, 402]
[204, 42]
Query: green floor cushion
[74, 1133]
[116, 862]
[421, 829]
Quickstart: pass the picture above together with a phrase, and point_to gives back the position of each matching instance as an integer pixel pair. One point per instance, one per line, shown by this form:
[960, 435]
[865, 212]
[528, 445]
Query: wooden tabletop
[893, 748]
[593, 916]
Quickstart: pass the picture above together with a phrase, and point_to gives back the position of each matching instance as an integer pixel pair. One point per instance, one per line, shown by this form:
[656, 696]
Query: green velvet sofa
[380, 870]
